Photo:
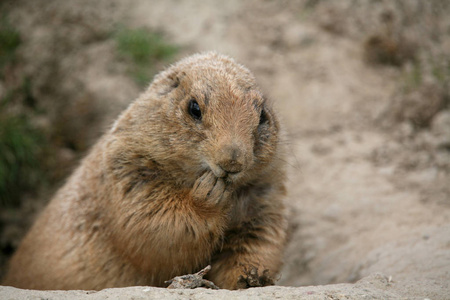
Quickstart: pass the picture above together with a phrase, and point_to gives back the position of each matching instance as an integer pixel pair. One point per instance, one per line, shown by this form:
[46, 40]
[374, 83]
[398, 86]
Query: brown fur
[162, 194]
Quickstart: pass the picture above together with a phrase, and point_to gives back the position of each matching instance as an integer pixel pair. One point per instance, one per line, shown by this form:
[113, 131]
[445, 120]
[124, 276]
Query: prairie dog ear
[167, 81]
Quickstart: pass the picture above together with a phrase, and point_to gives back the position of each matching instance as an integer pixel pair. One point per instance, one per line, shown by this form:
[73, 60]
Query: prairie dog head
[203, 113]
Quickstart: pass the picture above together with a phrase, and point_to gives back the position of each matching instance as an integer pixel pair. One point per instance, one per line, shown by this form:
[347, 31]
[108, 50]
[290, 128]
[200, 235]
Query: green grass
[413, 78]
[441, 70]
[20, 149]
[9, 41]
[438, 69]
[143, 49]
[20, 143]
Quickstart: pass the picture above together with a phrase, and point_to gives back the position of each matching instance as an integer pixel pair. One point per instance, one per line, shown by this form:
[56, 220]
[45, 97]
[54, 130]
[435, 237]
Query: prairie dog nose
[231, 158]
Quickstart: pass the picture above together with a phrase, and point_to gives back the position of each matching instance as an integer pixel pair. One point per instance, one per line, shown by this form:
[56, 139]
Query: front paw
[251, 278]
[209, 188]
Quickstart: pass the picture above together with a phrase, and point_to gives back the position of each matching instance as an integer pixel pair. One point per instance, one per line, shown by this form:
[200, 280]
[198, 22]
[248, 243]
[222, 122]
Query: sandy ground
[368, 193]
[374, 287]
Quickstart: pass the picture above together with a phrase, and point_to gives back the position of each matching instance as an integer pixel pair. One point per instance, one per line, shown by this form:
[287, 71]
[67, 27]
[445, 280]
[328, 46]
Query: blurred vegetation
[424, 92]
[20, 148]
[20, 142]
[388, 50]
[143, 49]
[9, 41]
[434, 69]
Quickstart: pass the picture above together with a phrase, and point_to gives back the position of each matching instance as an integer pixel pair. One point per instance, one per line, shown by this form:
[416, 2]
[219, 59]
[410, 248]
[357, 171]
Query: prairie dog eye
[262, 117]
[194, 110]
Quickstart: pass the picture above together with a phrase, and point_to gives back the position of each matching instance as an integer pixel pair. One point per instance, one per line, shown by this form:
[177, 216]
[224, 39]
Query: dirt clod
[192, 281]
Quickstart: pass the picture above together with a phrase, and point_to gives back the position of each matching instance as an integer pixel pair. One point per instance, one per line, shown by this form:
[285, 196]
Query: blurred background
[362, 88]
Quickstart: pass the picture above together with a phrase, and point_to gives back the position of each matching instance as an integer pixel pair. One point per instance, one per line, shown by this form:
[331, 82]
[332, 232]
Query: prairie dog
[190, 174]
